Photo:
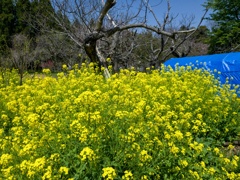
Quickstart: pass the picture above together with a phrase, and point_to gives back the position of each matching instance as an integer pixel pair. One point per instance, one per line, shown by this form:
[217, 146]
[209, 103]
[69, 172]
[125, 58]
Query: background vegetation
[225, 34]
[54, 32]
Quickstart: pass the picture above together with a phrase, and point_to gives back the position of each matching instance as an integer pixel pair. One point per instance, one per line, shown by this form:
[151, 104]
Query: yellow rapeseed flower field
[167, 124]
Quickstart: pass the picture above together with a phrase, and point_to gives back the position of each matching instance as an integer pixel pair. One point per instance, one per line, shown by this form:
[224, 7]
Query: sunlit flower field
[168, 124]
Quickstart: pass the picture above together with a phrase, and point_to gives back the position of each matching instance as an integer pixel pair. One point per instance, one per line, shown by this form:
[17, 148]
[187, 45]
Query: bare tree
[179, 46]
[160, 47]
[57, 49]
[98, 22]
[21, 54]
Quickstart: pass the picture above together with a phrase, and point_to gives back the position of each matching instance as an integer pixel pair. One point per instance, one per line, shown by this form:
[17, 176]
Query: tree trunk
[90, 44]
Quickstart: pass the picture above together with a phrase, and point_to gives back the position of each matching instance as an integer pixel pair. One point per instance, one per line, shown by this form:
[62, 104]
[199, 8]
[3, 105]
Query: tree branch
[145, 26]
[174, 49]
[108, 5]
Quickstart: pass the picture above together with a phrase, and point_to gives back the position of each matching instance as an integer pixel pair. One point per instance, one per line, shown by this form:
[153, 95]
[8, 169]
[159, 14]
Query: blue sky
[181, 8]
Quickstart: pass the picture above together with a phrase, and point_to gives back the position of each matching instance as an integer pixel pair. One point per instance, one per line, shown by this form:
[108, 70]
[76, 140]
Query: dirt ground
[235, 150]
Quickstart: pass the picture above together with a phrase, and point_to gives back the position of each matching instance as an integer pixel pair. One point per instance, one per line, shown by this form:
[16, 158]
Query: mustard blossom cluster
[158, 124]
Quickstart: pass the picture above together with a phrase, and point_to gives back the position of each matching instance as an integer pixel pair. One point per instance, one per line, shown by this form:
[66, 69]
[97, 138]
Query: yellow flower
[54, 157]
[7, 172]
[231, 176]
[39, 163]
[167, 135]
[216, 150]
[63, 170]
[203, 164]
[87, 154]
[226, 160]
[230, 147]
[211, 170]
[178, 135]
[183, 163]
[5, 159]
[197, 146]
[64, 67]
[194, 174]
[144, 177]
[234, 163]
[144, 156]
[127, 175]
[183, 151]
[109, 173]
[188, 134]
[4, 117]
[135, 146]
[177, 168]
[46, 71]
[31, 173]
[174, 149]
[236, 157]
[48, 173]
[146, 113]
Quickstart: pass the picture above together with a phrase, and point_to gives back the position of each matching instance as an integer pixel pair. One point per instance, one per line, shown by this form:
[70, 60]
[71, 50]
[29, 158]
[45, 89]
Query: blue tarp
[227, 63]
